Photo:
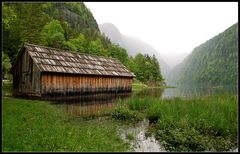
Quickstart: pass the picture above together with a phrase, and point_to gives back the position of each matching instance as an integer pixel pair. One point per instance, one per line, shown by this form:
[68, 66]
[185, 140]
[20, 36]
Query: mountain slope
[132, 45]
[214, 61]
[77, 16]
[30, 18]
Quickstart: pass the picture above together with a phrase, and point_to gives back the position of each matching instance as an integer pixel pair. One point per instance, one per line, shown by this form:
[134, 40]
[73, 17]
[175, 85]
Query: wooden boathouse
[43, 71]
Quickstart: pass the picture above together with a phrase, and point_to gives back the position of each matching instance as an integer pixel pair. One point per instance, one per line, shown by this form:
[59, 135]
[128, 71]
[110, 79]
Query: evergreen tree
[52, 34]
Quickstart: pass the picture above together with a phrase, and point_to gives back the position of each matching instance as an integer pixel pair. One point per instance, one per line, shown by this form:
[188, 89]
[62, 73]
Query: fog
[173, 29]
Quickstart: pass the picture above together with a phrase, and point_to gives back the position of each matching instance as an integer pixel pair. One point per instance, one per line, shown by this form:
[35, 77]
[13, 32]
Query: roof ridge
[87, 64]
[74, 52]
[88, 68]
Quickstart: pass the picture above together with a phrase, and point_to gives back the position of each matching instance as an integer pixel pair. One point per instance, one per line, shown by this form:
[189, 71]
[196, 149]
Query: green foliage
[28, 22]
[130, 136]
[7, 88]
[8, 17]
[78, 17]
[96, 47]
[77, 44]
[39, 126]
[117, 52]
[69, 26]
[52, 34]
[147, 69]
[136, 86]
[189, 139]
[214, 62]
[124, 114]
[138, 104]
[201, 124]
[6, 64]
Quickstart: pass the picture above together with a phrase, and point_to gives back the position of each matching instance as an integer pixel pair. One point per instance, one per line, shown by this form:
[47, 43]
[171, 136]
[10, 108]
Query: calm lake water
[188, 91]
[100, 103]
[93, 104]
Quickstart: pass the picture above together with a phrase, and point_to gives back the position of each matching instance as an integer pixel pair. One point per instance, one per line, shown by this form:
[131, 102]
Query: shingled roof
[56, 60]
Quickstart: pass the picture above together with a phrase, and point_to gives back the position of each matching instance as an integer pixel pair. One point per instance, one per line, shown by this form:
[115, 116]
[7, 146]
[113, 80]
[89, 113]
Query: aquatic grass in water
[124, 114]
[138, 104]
[210, 121]
[207, 123]
[130, 136]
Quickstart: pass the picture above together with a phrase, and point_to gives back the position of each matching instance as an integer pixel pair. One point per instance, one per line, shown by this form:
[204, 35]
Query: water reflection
[89, 104]
[198, 90]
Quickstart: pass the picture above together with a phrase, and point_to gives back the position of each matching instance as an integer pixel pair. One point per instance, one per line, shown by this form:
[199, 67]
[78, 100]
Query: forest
[68, 26]
[213, 62]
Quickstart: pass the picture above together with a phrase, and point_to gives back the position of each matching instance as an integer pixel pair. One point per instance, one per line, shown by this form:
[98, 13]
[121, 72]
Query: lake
[104, 103]
[99, 103]
[189, 91]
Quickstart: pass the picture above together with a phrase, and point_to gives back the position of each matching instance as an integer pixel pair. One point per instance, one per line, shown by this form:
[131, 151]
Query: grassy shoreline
[200, 124]
[31, 125]
[137, 86]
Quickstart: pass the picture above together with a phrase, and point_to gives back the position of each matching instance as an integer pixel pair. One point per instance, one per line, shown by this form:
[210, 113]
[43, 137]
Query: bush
[122, 113]
[7, 88]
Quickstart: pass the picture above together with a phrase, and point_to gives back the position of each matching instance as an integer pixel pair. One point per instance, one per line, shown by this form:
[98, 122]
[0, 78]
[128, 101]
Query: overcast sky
[170, 27]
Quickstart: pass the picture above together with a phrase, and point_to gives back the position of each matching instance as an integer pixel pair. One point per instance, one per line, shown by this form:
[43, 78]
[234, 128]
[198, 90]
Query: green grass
[39, 126]
[137, 85]
[124, 114]
[200, 124]
[168, 87]
[130, 136]
[138, 104]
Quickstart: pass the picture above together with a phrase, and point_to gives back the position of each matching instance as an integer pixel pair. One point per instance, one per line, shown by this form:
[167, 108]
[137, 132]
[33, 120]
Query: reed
[207, 123]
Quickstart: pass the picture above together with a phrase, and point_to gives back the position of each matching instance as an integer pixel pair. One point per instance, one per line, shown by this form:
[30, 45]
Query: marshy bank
[201, 124]
[207, 123]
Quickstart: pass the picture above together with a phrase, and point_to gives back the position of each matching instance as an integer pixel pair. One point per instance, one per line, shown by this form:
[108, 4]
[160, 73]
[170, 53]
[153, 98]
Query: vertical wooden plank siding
[81, 83]
[26, 77]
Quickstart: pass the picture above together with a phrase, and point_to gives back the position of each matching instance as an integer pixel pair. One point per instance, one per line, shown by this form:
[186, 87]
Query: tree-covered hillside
[214, 62]
[64, 25]
[48, 24]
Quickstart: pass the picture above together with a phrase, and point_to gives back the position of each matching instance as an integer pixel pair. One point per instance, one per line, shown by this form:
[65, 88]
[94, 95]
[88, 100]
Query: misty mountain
[214, 62]
[172, 59]
[132, 45]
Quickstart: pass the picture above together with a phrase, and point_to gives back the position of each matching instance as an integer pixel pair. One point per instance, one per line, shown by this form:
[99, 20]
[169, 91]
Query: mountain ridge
[132, 45]
[214, 61]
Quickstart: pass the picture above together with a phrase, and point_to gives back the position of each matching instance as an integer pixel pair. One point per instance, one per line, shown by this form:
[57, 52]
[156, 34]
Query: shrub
[123, 113]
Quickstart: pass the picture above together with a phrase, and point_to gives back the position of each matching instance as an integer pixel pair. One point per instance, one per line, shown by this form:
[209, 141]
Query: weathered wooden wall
[29, 80]
[70, 84]
[26, 77]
